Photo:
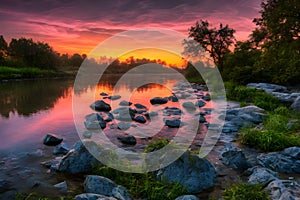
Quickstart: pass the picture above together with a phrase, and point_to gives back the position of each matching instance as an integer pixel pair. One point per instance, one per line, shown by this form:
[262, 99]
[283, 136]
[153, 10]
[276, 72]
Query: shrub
[274, 137]
[156, 145]
[251, 95]
[246, 192]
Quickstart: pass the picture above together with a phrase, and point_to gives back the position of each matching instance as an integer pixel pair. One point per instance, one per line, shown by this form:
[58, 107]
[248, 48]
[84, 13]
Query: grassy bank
[28, 73]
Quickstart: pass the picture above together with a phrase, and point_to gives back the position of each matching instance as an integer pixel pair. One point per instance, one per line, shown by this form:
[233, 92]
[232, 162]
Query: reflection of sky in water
[53, 113]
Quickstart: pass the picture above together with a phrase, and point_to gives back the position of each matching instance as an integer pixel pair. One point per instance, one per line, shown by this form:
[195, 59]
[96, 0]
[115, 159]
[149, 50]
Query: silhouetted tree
[3, 48]
[215, 41]
[76, 60]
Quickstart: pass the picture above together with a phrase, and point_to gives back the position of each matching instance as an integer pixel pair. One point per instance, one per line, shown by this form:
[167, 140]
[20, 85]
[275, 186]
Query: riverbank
[11, 73]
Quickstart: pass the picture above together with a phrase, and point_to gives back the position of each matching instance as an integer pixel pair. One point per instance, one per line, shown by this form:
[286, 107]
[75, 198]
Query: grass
[156, 145]
[246, 192]
[275, 135]
[142, 185]
[251, 95]
[24, 73]
[34, 196]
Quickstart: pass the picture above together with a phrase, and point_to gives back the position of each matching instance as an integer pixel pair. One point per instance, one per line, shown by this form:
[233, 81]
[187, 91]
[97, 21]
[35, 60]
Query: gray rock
[206, 97]
[293, 152]
[91, 196]
[140, 119]
[104, 186]
[267, 87]
[202, 119]
[125, 103]
[172, 111]
[296, 105]
[159, 100]
[52, 140]
[173, 123]
[121, 193]
[200, 103]
[140, 106]
[153, 113]
[115, 97]
[126, 114]
[292, 124]
[63, 187]
[284, 162]
[99, 185]
[250, 109]
[262, 175]
[100, 105]
[187, 197]
[61, 149]
[192, 172]
[127, 139]
[103, 94]
[284, 190]
[79, 159]
[234, 158]
[106, 116]
[91, 125]
[189, 106]
[124, 125]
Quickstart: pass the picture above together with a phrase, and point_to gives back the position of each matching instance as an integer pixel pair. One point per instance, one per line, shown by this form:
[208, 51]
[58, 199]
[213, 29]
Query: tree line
[271, 54]
[24, 52]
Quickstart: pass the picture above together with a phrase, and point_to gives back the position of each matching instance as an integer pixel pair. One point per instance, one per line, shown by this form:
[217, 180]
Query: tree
[76, 60]
[33, 54]
[3, 48]
[215, 41]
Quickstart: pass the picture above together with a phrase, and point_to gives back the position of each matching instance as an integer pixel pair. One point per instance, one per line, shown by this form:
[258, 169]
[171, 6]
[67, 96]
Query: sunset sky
[71, 26]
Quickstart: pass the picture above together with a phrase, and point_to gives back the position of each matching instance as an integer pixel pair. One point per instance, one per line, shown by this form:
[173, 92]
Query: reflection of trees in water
[28, 97]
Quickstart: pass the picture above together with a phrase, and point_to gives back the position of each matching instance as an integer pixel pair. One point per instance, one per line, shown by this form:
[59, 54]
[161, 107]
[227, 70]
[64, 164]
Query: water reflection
[28, 97]
[30, 109]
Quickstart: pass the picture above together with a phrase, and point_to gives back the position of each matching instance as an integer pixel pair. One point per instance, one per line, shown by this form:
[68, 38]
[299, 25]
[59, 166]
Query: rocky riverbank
[229, 162]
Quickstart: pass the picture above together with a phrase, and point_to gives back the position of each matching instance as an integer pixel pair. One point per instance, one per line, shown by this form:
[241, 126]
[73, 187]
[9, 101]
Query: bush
[251, 95]
[246, 192]
[156, 145]
[274, 137]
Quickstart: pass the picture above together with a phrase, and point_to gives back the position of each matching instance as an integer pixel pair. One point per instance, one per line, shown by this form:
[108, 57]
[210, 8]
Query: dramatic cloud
[79, 25]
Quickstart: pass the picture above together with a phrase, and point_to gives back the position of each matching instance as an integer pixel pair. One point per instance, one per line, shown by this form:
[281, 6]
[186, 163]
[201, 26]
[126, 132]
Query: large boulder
[78, 160]
[283, 190]
[192, 172]
[52, 140]
[296, 105]
[100, 105]
[104, 186]
[235, 158]
[261, 175]
[286, 161]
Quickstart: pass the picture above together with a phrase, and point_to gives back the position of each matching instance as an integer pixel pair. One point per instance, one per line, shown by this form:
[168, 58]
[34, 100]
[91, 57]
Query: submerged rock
[173, 123]
[140, 119]
[52, 140]
[192, 172]
[114, 97]
[159, 100]
[124, 125]
[200, 103]
[189, 106]
[125, 103]
[100, 105]
[127, 139]
[140, 106]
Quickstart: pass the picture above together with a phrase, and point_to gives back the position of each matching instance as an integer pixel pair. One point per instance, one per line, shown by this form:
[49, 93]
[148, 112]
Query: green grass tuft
[246, 192]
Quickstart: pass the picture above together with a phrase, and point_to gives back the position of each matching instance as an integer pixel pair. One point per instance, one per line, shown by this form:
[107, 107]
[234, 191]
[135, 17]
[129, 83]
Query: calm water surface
[31, 109]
